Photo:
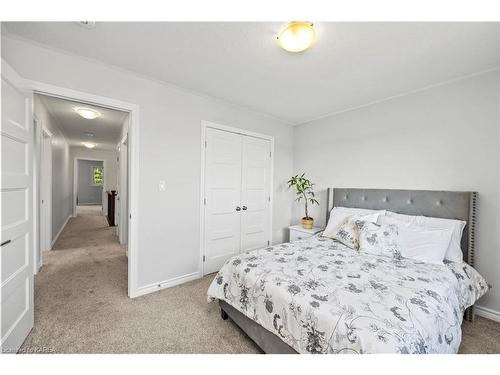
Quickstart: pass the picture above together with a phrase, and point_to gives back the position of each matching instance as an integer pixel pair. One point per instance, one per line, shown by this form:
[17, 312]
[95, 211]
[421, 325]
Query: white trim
[167, 283]
[133, 166]
[213, 125]
[60, 231]
[487, 313]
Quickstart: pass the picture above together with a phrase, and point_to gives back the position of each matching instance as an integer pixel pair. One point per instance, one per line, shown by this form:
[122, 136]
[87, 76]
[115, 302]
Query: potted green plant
[304, 191]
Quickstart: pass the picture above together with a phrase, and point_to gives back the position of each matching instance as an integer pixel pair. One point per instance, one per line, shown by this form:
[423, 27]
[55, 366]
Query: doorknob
[238, 208]
[244, 208]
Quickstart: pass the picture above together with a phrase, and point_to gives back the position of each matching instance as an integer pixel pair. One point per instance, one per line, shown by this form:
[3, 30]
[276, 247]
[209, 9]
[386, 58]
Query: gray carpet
[81, 305]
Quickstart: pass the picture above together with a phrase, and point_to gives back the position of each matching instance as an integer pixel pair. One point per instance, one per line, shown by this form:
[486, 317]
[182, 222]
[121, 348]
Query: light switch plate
[162, 186]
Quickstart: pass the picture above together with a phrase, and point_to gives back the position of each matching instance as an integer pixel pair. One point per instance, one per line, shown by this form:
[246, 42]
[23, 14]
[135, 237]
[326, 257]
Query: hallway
[86, 268]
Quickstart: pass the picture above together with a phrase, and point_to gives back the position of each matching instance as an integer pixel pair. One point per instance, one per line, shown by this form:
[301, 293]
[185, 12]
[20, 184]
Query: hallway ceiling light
[297, 36]
[87, 113]
[88, 144]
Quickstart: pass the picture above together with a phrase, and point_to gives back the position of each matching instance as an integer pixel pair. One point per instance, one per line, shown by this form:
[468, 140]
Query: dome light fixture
[297, 36]
[88, 144]
[87, 24]
[87, 113]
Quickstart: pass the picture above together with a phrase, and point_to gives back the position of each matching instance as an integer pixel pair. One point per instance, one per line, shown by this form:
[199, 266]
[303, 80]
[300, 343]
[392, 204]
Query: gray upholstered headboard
[460, 205]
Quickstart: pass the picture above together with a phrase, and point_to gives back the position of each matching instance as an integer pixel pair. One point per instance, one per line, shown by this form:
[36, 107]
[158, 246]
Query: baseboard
[60, 231]
[165, 284]
[487, 313]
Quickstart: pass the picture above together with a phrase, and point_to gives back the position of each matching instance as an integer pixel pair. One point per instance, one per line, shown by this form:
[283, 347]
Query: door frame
[121, 222]
[41, 213]
[212, 125]
[133, 167]
[75, 179]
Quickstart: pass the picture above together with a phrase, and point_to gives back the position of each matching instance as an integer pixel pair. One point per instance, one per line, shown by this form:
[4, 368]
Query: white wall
[61, 178]
[169, 150]
[444, 138]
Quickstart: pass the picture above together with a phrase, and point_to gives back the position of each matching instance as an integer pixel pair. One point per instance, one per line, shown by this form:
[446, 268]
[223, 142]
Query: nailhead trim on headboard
[472, 228]
[469, 313]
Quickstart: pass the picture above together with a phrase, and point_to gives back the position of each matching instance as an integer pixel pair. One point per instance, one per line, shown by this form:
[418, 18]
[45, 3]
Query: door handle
[5, 243]
[244, 208]
[238, 208]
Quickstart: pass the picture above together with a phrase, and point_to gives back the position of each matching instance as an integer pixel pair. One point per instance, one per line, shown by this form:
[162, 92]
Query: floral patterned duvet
[319, 296]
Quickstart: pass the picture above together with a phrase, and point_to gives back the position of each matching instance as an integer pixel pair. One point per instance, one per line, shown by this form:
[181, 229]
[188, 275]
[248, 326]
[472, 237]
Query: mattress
[320, 296]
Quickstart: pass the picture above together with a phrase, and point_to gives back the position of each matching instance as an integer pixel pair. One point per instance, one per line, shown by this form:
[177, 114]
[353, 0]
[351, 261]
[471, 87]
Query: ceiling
[351, 64]
[106, 129]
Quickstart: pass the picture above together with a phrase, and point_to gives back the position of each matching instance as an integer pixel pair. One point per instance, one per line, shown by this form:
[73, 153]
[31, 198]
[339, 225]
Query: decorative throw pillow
[348, 234]
[378, 239]
[332, 230]
[338, 216]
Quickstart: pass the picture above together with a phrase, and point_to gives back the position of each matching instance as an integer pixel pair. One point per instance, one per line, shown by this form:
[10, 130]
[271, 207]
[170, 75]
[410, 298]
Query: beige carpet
[81, 305]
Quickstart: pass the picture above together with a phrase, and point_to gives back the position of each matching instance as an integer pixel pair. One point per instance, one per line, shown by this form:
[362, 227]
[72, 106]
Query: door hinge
[270, 153]
[268, 242]
[205, 144]
[205, 201]
[269, 198]
[130, 216]
[203, 257]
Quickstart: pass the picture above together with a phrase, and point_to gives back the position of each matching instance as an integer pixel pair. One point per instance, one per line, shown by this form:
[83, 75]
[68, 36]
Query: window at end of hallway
[97, 176]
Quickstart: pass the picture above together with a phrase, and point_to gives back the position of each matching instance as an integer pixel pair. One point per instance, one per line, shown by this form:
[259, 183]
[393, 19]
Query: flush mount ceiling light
[87, 24]
[88, 144]
[297, 36]
[87, 113]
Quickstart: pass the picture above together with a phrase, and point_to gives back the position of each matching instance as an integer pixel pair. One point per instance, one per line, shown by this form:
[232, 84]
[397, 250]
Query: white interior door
[222, 197]
[255, 193]
[16, 288]
[46, 193]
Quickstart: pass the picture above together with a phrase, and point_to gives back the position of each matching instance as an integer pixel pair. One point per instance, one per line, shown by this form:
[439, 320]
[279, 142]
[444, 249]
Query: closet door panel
[223, 196]
[255, 192]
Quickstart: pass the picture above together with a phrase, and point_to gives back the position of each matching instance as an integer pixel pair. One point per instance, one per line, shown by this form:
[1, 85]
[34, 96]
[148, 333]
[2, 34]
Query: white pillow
[454, 249]
[338, 215]
[420, 243]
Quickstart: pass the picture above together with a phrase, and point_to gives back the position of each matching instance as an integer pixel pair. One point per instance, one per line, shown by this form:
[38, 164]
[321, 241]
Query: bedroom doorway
[131, 175]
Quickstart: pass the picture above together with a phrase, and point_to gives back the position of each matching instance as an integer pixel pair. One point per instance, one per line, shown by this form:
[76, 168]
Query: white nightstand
[299, 233]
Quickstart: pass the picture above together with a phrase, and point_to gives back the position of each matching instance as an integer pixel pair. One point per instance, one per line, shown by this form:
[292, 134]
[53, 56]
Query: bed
[319, 296]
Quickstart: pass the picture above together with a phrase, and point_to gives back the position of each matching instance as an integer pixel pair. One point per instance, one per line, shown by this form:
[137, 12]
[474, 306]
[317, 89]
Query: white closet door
[223, 197]
[255, 193]
[16, 288]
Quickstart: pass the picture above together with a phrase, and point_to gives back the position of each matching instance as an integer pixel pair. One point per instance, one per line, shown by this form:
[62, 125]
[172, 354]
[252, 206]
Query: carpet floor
[81, 305]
